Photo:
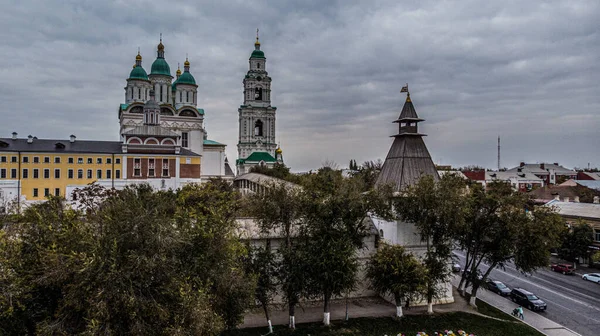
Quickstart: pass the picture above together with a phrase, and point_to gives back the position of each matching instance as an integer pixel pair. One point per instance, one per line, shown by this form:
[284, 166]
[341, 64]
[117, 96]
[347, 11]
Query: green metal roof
[160, 67]
[138, 73]
[173, 88]
[260, 156]
[186, 78]
[201, 111]
[257, 54]
[212, 142]
[124, 107]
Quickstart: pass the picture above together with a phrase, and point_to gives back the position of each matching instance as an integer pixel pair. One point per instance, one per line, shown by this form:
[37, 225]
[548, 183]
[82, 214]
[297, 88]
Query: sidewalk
[534, 320]
[359, 307]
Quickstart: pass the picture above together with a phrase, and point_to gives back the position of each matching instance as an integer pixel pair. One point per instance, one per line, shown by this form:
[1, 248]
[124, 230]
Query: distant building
[588, 212]
[595, 176]
[551, 173]
[521, 181]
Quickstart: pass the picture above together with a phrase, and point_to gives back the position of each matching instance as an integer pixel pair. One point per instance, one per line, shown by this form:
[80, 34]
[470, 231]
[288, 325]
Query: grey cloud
[525, 70]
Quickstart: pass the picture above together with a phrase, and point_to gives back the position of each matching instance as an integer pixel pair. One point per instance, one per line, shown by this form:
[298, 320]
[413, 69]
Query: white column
[124, 167]
[177, 163]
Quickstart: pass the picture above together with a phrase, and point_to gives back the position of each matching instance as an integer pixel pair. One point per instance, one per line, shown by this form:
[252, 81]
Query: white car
[594, 277]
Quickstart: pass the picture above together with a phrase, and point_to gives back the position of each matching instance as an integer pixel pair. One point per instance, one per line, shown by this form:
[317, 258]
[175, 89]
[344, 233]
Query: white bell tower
[256, 144]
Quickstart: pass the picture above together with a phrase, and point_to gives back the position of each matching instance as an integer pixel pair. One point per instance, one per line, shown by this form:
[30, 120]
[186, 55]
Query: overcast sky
[527, 71]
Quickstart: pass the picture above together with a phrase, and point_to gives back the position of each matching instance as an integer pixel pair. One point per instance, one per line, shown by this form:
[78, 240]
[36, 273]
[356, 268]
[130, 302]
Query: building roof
[536, 168]
[408, 158]
[548, 192]
[160, 67]
[200, 111]
[138, 73]
[592, 184]
[507, 176]
[186, 78]
[591, 175]
[79, 146]
[228, 170]
[259, 156]
[156, 131]
[265, 180]
[475, 175]
[60, 146]
[212, 143]
[408, 111]
[573, 209]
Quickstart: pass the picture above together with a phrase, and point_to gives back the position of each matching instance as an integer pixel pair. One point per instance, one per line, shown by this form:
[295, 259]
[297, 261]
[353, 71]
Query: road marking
[548, 289]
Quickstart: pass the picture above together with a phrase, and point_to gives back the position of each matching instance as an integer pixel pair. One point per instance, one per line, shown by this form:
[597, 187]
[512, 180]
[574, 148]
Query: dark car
[468, 275]
[497, 287]
[527, 299]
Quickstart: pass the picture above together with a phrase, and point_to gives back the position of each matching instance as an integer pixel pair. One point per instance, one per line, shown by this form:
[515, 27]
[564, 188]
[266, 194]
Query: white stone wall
[213, 162]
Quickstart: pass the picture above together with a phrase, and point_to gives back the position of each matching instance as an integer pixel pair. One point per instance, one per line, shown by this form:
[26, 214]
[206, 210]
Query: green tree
[499, 229]
[394, 271]
[437, 209]
[576, 241]
[335, 210]
[262, 264]
[128, 262]
[279, 209]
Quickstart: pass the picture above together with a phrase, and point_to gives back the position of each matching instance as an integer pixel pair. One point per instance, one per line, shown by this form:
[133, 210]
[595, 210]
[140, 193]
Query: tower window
[139, 93]
[258, 65]
[258, 128]
[187, 96]
[258, 94]
[180, 96]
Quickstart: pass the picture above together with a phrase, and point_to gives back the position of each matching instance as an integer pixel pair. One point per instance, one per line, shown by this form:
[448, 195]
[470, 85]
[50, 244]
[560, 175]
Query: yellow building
[35, 168]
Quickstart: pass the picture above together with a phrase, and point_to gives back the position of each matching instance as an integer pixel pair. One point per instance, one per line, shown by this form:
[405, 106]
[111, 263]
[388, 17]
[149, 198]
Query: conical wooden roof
[408, 158]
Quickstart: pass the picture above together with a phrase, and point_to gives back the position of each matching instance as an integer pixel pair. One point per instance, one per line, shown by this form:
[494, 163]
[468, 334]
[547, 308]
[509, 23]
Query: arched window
[258, 128]
[258, 65]
[187, 96]
[258, 94]
[381, 233]
[139, 93]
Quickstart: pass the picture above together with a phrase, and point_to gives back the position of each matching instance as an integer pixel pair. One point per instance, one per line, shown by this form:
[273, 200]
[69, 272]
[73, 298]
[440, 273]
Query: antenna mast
[498, 153]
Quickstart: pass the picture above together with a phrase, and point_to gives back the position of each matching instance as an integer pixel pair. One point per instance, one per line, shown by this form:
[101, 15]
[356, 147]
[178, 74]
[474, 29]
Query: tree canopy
[133, 261]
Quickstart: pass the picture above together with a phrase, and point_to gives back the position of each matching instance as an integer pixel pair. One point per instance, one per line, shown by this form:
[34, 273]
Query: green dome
[138, 73]
[186, 78]
[173, 86]
[257, 54]
[160, 67]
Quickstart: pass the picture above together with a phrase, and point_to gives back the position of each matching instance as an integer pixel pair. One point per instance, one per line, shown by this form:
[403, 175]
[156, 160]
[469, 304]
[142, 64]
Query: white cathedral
[179, 112]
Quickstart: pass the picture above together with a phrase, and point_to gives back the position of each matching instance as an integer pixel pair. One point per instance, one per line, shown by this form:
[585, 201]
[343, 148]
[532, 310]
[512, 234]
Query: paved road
[572, 301]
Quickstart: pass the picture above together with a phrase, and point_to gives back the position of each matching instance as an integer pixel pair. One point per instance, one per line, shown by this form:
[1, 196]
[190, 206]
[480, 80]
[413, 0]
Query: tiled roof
[573, 209]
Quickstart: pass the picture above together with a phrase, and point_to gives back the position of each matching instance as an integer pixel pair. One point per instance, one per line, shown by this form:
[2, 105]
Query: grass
[491, 311]
[408, 325]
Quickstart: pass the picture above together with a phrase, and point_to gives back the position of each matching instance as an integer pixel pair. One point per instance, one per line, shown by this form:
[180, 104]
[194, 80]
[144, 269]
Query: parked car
[594, 277]
[456, 268]
[527, 299]
[563, 268]
[497, 287]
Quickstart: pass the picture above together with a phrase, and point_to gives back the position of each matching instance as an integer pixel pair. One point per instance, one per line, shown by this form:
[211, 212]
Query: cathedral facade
[163, 143]
[256, 140]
